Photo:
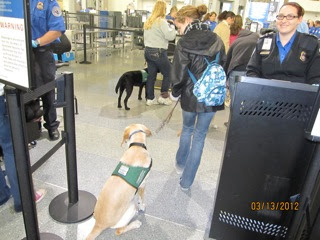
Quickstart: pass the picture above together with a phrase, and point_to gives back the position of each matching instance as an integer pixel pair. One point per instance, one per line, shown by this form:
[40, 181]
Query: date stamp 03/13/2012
[274, 206]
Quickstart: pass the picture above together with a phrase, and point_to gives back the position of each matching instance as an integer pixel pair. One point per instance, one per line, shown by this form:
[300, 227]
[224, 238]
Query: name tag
[267, 44]
[123, 170]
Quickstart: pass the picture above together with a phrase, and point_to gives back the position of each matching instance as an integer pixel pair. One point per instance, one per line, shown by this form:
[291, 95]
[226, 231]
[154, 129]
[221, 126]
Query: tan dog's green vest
[132, 175]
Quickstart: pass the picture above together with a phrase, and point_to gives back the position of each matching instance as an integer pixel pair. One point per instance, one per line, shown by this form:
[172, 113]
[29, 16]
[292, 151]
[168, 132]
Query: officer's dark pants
[45, 70]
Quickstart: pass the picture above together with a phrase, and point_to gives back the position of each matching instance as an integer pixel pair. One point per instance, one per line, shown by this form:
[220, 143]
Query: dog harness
[144, 75]
[134, 176]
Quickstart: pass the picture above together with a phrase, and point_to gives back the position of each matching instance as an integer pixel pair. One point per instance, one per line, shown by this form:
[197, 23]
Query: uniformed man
[287, 55]
[47, 25]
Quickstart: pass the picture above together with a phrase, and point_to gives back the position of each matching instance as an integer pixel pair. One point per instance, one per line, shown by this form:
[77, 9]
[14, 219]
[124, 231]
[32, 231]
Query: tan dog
[116, 203]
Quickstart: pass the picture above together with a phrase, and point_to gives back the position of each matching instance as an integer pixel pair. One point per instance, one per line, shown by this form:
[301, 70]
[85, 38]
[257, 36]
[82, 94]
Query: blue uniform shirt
[212, 25]
[317, 32]
[311, 30]
[283, 50]
[46, 16]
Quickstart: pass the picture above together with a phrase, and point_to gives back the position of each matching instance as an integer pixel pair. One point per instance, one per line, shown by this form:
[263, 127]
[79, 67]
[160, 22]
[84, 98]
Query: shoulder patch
[56, 11]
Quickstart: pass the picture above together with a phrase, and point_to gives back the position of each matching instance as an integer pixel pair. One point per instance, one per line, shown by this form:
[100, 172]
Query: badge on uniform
[56, 11]
[303, 56]
[267, 44]
[40, 5]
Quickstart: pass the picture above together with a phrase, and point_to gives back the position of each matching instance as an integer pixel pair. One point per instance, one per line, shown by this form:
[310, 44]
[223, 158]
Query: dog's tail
[119, 83]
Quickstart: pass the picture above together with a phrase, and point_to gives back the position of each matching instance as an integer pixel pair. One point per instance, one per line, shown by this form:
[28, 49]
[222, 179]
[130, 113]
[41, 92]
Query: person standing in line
[226, 18]
[47, 25]
[238, 57]
[316, 31]
[196, 44]
[172, 15]
[235, 28]
[210, 19]
[311, 26]
[8, 155]
[157, 34]
[288, 54]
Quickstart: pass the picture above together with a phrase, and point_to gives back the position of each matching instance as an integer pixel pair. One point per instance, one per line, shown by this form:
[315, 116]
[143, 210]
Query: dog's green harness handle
[144, 76]
[132, 175]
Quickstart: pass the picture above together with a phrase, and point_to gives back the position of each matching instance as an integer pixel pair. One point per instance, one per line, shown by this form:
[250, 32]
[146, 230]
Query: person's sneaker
[164, 101]
[184, 189]
[39, 195]
[152, 102]
[179, 170]
[54, 134]
[17, 208]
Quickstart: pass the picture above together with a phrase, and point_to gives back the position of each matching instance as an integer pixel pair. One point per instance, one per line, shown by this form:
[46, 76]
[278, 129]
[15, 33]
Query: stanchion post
[85, 46]
[69, 123]
[72, 206]
[21, 154]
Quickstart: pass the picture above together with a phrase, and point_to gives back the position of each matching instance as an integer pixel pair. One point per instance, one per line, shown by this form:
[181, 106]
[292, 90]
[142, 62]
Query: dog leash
[167, 119]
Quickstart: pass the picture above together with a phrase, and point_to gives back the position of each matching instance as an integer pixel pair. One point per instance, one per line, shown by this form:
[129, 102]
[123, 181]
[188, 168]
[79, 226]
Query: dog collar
[138, 144]
[134, 132]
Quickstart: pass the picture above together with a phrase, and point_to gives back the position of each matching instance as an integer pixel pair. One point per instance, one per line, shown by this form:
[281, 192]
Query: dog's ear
[147, 131]
[125, 135]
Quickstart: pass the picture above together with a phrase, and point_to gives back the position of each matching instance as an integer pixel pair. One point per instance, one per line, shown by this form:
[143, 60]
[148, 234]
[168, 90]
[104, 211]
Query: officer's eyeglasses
[288, 17]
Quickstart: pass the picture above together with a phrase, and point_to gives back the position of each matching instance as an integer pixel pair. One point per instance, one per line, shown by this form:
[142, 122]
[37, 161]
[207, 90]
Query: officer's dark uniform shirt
[46, 16]
[301, 63]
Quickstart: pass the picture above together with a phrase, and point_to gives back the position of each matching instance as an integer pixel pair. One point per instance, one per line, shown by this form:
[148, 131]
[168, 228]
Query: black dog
[127, 81]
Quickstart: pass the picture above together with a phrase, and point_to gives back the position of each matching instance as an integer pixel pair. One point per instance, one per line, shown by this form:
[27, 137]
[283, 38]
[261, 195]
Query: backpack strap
[194, 80]
[216, 60]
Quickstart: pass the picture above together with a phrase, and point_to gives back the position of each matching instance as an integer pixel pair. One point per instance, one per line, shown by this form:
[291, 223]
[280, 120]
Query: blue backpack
[211, 86]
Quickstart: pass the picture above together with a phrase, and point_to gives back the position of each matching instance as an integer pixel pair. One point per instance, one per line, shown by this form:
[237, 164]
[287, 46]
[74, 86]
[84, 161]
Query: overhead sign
[13, 45]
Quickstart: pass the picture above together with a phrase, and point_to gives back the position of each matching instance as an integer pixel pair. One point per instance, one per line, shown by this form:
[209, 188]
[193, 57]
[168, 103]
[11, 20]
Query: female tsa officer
[287, 55]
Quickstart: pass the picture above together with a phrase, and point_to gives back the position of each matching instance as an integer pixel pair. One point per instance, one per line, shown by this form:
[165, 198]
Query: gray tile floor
[170, 213]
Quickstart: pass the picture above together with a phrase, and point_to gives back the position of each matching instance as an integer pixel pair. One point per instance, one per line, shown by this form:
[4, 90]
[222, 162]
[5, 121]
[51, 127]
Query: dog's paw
[127, 108]
[119, 106]
[136, 224]
[141, 207]
[139, 98]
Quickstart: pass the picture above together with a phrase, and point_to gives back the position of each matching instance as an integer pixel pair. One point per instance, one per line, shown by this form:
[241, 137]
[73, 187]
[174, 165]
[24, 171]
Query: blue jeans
[232, 83]
[7, 148]
[157, 60]
[194, 131]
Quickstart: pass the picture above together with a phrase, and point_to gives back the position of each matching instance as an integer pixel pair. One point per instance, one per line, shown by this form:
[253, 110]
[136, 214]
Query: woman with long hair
[235, 28]
[157, 34]
[210, 19]
[197, 44]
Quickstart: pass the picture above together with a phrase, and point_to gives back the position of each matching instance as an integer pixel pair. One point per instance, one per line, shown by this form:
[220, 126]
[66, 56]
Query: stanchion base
[62, 211]
[48, 236]
[85, 62]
